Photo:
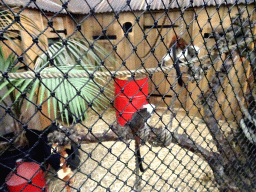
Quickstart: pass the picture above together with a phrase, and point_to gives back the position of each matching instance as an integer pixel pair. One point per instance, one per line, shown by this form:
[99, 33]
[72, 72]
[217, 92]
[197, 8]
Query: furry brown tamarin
[139, 123]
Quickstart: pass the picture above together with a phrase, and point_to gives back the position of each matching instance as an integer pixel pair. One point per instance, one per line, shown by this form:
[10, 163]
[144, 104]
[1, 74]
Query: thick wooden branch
[98, 137]
[225, 150]
[208, 100]
[120, 133]
[184, 142]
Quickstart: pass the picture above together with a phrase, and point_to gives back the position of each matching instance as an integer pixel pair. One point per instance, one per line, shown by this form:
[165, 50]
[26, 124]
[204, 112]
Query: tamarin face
[140, 117]
[150, 108]
[181, 43]
[181, 49]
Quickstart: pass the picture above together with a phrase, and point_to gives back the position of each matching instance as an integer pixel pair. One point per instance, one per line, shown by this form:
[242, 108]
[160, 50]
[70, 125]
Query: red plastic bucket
[26, 171]
[134, 95]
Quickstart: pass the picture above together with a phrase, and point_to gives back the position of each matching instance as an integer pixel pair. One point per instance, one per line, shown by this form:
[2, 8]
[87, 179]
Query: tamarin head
[181, 43]
[140, 117]
[150, 108]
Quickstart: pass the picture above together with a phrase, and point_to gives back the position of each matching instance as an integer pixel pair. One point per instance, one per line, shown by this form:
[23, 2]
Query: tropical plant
[9, 65]
[73, 57]
[67, 96]
[10, 28]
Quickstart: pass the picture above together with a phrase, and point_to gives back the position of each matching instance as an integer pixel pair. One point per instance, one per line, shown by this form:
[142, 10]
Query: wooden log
[124, 135]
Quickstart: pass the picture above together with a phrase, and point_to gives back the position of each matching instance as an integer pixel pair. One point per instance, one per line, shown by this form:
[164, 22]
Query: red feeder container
[29, 178]
[131, 90]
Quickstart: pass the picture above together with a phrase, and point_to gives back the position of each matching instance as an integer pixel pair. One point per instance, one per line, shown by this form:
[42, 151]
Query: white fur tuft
[150, 108]
[167, 57]
[180, 55]
[197, 49]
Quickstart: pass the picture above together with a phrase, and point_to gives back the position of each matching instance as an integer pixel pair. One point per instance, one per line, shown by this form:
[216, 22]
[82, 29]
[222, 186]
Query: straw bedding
[110, 165]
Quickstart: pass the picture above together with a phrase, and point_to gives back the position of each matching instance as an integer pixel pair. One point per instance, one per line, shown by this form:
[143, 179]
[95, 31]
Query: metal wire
[73, 74]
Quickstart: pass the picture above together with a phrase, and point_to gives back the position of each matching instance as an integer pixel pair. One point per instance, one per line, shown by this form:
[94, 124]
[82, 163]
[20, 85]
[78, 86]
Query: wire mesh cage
[125, 95]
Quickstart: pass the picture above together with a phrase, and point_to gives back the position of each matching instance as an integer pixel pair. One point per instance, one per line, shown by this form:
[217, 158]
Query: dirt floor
[110, 165]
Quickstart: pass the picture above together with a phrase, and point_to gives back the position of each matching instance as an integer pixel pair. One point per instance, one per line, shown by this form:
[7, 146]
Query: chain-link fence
[125, 95]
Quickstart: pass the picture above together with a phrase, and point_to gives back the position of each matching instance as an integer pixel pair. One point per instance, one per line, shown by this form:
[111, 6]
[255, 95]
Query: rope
[181, 25]
[50, 75]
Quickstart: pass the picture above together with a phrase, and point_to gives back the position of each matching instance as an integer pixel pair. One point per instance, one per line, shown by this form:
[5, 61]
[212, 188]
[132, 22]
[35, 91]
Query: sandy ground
[110, 165]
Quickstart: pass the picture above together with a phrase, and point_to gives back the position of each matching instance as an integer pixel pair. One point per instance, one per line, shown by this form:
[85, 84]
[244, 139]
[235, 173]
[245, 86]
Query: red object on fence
[29, 178]
[134, 95]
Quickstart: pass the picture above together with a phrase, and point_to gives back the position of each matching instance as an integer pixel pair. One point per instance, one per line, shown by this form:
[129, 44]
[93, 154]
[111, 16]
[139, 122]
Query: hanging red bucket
[29, 178]
[134, 91]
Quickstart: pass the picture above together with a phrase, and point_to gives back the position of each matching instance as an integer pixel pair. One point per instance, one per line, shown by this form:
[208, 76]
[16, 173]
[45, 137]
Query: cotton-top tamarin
[138, 123]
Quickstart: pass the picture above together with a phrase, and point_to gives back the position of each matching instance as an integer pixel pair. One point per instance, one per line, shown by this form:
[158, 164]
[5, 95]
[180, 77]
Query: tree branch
[157, 137]
[208, 100]
[225, 150]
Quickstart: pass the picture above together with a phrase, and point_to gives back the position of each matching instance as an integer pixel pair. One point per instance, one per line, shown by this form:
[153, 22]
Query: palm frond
[74, 57]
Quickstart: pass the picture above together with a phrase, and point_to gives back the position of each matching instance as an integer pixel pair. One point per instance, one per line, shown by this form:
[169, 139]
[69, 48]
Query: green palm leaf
[65, 60]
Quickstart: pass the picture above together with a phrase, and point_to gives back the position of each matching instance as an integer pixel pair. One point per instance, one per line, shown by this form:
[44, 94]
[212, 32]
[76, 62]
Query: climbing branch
[208, 100]
[157, 137]
[225, 150]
